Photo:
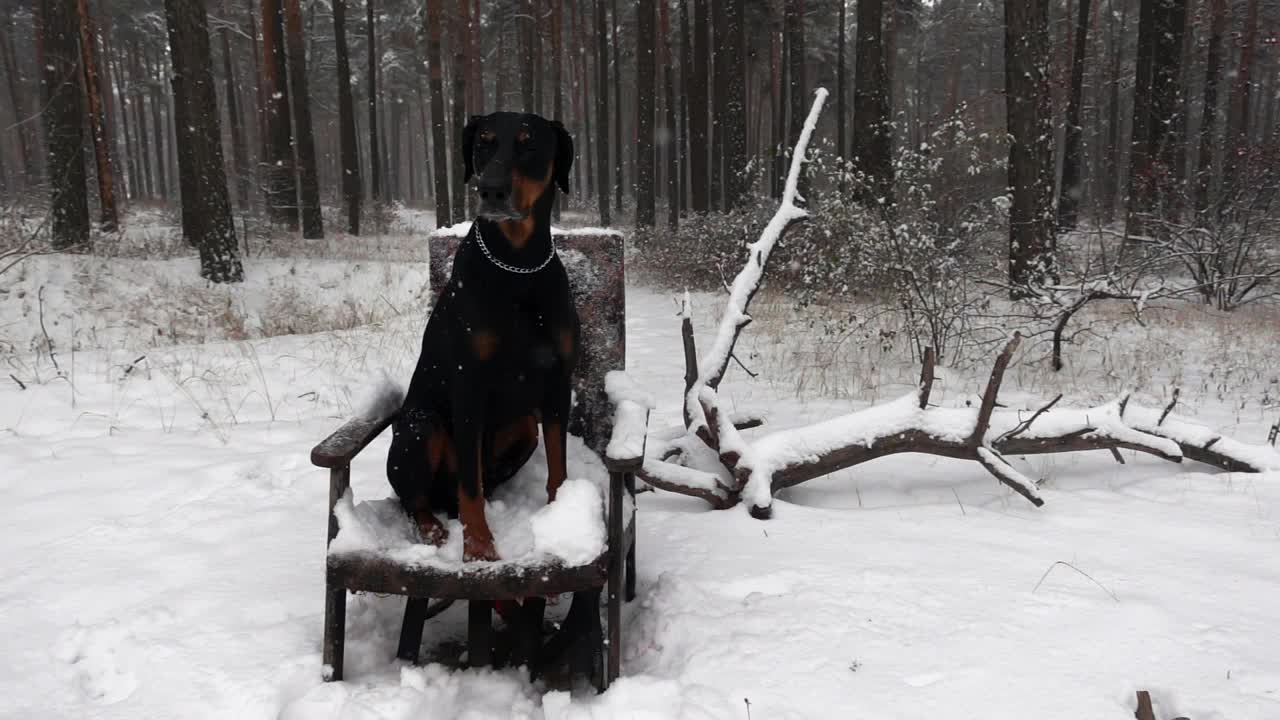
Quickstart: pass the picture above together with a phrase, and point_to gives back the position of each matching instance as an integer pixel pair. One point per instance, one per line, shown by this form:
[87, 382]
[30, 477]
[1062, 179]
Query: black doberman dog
[500, 345]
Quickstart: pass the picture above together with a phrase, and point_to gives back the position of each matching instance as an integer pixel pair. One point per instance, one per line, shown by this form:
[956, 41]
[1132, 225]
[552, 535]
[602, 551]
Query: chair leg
[415, 616]
[614, 642]
[479, 632]
[630, 481]
[335, 626]
[529, 635]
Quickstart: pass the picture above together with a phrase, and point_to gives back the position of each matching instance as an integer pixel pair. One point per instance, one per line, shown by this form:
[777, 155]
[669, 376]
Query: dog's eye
[487, 137]
[522, 136]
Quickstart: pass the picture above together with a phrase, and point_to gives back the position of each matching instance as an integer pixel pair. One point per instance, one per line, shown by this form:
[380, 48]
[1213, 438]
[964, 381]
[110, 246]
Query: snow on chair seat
[545, 549]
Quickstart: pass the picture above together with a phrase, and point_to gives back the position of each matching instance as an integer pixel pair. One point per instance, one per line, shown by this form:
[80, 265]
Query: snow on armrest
[347, 441]
[631, 405]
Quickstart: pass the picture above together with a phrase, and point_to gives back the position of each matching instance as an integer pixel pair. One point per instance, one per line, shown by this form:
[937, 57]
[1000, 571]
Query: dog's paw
[430, 530]
[478, 548]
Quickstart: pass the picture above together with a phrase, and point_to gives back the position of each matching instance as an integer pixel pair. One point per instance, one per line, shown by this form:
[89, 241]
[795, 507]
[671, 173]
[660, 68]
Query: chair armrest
[346, 442]
[625, 451]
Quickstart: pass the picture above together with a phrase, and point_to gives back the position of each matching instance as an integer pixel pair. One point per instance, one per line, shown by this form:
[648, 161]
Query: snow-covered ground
[164, 531]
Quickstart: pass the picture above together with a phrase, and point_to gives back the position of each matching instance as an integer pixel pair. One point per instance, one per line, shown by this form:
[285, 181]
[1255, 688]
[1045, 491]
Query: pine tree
[56, 36]
[312, 223]
[350, 150]
[1029, 110]
[211, 228]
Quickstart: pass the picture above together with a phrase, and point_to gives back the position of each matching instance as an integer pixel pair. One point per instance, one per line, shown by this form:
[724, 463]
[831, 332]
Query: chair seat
[546, 549]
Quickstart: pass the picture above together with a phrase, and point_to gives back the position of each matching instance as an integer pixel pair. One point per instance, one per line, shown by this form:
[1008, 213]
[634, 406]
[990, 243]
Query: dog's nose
[492, 193]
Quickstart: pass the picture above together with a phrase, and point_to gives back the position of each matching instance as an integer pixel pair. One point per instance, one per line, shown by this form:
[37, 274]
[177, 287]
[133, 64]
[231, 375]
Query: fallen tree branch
[714, 364]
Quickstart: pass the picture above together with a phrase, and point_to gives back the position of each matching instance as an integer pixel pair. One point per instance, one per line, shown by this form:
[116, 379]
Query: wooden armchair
[610, 416]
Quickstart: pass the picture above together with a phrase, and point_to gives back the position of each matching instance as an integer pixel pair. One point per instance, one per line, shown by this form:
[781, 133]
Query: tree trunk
[17, 99]
[212, 230]
[239, 148]
[439, 150]
[777, 99]
[557, 71]
[1029, 108]
[871, 140]
[278, 173]
[1238, 118]
[718, 34]
[670, 135]
[351, 189]
[699, 172]
[619, 169]
[459, 79]
[526, 55]
[108, 218]
[841, 81]
[140, 77]
[375, 157]
[1141, 163]
[56, 35]
[1072, 156]
[646, 69]
[602, 113]
[686, 80]
[797, 85]
[130, 158]
[1209, 117]
[163, 140]
[735, 110]
[312, 223]
[1165, 145]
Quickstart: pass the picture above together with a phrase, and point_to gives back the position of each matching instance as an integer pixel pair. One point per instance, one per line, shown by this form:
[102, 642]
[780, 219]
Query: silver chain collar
[511, 268]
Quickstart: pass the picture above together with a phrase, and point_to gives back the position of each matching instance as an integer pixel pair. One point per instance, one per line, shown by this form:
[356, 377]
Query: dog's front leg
[468, 405]
[555, 409]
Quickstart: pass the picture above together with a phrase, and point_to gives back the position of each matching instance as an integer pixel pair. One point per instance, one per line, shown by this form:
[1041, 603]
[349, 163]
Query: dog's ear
[564, 155]
[468, 143]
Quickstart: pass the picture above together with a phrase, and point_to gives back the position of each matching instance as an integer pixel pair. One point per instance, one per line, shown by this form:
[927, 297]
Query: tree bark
[602, 113]
[699, 172]
[778, 104]
[439, 150]
[17, 98]
[108, 218]
[350, 149]
[646, 69]
[1167, 139]
[1209, 117]
[280, 179]
[312, 223]
[163, 140]
[619, 164]
[1072, 155]
[375, 157]
[797, 85]
[56, 35]
[1241, 96]
[841, 145]
[718, 36]
[1141, 163]
[526, 55]
[212, 230]
[735, 110]
[686, 80]
[671, 136]
[458, 203]
[1028, 106]
[557, 72]
[239, 147]
[871, 140]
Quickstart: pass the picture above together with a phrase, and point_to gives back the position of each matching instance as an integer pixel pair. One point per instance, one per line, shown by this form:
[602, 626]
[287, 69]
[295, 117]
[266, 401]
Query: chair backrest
[597, 276]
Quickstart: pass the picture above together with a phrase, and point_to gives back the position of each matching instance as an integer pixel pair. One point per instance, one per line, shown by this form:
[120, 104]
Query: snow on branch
[713, 365]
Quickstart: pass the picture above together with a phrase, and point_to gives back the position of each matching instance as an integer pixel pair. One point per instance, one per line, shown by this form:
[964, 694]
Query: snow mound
[572, 527]
[526, 529]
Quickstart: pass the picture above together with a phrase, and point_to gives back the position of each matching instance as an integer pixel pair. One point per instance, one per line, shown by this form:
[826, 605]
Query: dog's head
[514, 158]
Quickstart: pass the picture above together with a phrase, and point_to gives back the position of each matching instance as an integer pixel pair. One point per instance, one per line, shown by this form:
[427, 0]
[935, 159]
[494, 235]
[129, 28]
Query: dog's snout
[492, 193]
